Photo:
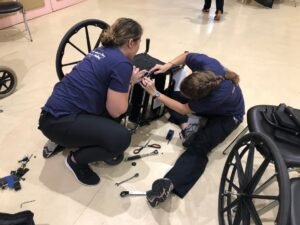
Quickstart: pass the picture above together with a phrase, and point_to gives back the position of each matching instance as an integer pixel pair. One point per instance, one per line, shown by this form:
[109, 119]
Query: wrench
[135, 175]
[132, 193]
[155, 152]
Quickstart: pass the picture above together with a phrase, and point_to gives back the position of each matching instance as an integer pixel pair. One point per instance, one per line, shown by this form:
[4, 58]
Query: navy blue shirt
[84, 89]
[225, 100]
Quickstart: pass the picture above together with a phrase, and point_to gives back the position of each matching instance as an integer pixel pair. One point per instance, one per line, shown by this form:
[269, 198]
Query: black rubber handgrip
[134, 157]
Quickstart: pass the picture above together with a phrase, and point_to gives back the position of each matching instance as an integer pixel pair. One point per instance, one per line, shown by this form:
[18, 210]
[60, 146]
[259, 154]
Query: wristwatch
[157, 94]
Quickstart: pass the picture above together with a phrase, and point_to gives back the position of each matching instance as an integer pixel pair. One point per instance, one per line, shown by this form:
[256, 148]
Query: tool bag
[286, 123]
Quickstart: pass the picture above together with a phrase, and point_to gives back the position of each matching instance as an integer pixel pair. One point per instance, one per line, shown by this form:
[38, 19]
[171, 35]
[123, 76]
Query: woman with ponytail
[83, 107]
[210, 91]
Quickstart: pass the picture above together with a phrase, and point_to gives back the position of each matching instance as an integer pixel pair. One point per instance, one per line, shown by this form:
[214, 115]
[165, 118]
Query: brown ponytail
[121, 31]
[230, 75]
[200, 84]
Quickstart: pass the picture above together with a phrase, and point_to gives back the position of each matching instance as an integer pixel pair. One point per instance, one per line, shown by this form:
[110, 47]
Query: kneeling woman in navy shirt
[211, 91]
[81, 109]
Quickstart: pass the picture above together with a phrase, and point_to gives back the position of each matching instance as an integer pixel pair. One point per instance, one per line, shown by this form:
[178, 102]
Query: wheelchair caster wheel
[8, 81]
[115, 161]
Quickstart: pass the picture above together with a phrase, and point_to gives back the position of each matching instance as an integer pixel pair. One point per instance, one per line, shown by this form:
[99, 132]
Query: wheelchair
[8, 81]
[260, 183]
[82, 38]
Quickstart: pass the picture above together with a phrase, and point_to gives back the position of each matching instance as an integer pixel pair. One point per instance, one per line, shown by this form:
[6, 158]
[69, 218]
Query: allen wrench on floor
[130, 178]
[23, 203]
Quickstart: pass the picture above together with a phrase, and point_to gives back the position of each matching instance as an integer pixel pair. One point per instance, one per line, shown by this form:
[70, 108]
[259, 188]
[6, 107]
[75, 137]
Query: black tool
[170, 135]
[138, 150]
[155, 152]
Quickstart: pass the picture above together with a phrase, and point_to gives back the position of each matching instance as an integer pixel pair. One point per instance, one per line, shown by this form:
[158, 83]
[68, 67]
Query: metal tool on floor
[139, 149]
[155, 152]
[132, 193]
[130, 178]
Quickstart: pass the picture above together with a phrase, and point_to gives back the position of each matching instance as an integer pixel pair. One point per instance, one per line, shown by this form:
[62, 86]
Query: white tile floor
[262, 45]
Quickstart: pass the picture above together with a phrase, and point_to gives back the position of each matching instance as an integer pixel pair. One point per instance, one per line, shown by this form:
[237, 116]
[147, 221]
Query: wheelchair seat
[257, 123]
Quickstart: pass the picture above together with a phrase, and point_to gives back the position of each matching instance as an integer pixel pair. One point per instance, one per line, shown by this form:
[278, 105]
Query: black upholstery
[295, 201]
[10, 7]
[257, 123]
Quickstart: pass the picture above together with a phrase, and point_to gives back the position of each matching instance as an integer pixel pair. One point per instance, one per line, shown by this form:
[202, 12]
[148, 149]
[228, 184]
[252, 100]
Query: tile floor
[260, 44]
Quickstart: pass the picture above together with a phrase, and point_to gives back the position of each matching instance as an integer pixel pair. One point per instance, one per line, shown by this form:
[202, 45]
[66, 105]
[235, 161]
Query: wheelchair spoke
[231, 205]
[74, 46]
[4, 80]
[238, 217]
[257, 176]
[87, 38]
[233, 185]
[5, 77]
[245, 214]
[99, 39]
[249, 164]
[267, 197]
[240, 170]
[70, 64]
[253, 213]
[97, 43]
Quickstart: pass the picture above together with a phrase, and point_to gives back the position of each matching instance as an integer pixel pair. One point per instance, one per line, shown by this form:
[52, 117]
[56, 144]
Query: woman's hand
[148, 85]
[137, 75]
[161, 68]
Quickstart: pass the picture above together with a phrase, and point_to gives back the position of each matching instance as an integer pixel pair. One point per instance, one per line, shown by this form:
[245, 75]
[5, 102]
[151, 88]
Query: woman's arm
[149, 86]
[179, 60]
[117, 102]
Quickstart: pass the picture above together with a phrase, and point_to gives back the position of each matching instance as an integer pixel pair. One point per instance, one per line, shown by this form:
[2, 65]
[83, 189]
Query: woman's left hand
[148, 85]
[137, 74]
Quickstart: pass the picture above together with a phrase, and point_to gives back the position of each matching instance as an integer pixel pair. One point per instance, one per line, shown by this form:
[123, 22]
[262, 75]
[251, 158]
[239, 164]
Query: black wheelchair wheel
[82, 38]
[255, 187]
[115, 161]
[8, 81]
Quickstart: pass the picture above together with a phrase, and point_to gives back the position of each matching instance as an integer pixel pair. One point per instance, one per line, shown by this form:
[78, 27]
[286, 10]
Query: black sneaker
[82, 172]
[161, 189]
[187, 135]
[51, 148]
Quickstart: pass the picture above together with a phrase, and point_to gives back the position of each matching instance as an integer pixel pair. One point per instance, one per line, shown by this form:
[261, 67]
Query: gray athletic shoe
[161, 190]
[51, 148]
[187, 135]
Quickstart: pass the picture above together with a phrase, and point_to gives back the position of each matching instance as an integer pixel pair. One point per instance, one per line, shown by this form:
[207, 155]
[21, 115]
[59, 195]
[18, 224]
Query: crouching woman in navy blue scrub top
[211, 91]
[81, 109]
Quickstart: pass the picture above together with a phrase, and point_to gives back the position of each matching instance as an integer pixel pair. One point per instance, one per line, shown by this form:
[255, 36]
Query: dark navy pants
[97, 138]
[191, 164]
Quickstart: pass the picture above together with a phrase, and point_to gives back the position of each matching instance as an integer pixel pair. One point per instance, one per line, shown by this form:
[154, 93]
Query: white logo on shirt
[97, 55]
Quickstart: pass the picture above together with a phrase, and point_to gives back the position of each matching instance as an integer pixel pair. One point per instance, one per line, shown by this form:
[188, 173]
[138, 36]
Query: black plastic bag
[20, 218]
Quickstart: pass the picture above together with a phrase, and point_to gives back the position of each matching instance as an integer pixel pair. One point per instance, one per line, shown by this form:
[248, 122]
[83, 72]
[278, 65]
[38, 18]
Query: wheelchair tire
[66, 60]
[242, 188]
[8, 81]
[115, 161]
